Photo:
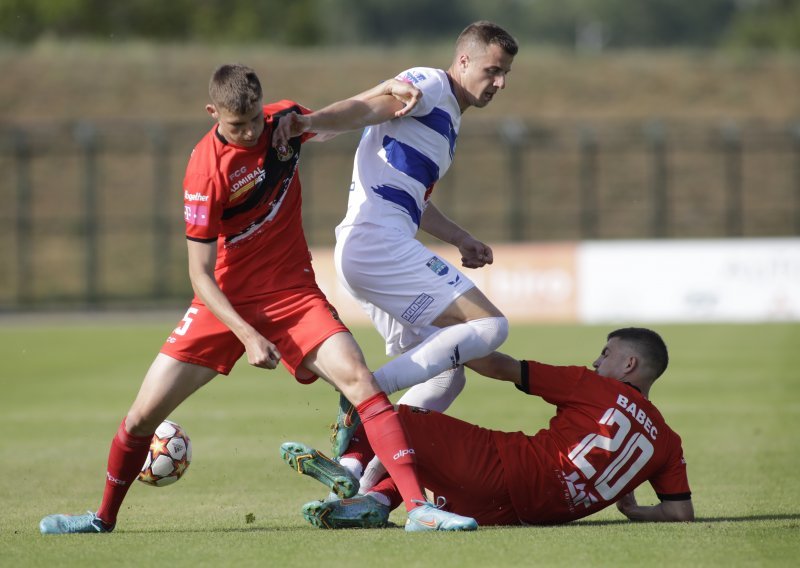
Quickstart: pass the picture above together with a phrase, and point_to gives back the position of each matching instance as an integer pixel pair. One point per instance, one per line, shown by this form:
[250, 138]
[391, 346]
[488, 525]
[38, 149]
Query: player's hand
[474, 253]
[289, 126]
[262, 353]
[404, 92]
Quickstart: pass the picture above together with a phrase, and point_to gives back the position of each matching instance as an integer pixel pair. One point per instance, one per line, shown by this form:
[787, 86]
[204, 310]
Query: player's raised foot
[69, 524]
[361, 512]
[310, 462]
[347, 420]
[430, 517]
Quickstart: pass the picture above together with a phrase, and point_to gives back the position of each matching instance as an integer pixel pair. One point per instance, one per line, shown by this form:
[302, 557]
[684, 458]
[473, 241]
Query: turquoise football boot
[430, 517]
[69, 524]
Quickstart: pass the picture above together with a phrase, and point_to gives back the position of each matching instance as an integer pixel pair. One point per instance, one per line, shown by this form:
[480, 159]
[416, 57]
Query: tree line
[579, 24]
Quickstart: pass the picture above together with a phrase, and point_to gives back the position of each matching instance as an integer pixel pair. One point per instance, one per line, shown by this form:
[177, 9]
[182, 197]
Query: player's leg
[176, 373]
[481, 328]
[417, 289]
[437, 394]
[167, 383]
[459, 462]
[340, 360]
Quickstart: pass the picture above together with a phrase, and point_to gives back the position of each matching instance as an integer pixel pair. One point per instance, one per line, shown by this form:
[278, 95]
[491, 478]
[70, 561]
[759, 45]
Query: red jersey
[604, 441]
[247, 199]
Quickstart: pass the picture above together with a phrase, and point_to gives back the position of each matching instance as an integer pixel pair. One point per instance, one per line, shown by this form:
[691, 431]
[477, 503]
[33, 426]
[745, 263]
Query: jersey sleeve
[427, 81]
[202, 210]
[553, 383]
[671, 482]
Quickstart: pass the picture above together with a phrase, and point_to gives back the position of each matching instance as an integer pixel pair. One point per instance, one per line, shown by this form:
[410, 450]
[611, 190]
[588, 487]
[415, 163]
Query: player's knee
[140, 424]
[493, 331]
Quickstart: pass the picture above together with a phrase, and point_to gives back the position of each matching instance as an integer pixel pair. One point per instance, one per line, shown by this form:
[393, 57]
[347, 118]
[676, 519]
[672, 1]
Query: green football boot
[361, 512]
[347, 420]
[310, 462]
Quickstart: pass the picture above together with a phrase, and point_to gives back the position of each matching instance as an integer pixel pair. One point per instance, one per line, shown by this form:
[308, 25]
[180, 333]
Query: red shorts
[459, 461]
[296, 321]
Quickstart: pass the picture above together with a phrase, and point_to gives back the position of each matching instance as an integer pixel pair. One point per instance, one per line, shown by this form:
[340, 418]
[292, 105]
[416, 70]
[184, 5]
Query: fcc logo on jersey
[439, 267]
[285, 153]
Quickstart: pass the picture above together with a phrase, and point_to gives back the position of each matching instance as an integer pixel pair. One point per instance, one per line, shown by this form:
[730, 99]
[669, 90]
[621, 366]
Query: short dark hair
[648, 344]
[488, 33]
[235, 88]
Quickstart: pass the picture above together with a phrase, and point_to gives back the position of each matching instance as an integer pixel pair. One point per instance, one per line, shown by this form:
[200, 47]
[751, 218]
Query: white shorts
[401, 284]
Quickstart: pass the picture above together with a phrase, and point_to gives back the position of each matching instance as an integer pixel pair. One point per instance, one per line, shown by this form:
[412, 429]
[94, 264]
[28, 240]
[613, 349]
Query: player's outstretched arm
[404, 92]
[391, 99]
[666, 511]
[498, 366]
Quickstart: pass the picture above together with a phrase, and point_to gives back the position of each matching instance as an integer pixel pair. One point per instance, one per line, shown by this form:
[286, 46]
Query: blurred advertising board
[744, 280]
[730, 280]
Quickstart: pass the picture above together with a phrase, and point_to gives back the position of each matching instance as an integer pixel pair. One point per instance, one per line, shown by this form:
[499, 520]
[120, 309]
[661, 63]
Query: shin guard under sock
[125, 460]
[388, 438]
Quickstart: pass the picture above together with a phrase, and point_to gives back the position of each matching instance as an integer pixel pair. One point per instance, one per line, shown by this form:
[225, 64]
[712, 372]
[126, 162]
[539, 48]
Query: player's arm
[405, 93]
[474, 253]
[388, 100]
[666, 511]
[499, 366]
[202, 258]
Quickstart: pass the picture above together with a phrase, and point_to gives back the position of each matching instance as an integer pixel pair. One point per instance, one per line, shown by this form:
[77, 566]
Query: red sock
[388, 439]
[125, 461]
[359, 447]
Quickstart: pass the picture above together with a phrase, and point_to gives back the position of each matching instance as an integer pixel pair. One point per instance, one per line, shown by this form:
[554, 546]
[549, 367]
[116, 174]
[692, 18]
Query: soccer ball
[169, 456]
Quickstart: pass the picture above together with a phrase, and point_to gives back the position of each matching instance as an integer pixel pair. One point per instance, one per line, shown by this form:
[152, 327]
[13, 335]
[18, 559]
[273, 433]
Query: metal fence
[92, 211]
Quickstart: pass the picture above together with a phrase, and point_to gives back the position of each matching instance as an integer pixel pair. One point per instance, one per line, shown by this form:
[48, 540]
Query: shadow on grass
[740, 519]
[243, 530]
[582, 523]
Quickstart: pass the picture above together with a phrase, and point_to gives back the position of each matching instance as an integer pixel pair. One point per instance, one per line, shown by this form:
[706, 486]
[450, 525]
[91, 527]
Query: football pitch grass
[732, 392]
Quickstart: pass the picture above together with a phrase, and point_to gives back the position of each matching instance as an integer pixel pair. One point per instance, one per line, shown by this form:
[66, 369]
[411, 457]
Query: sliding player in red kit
[255, 294]
[605, 440]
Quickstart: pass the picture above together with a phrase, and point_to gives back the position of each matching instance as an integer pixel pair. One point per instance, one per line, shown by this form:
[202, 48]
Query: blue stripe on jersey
[439, 121]
[410, 161]
[401, 198]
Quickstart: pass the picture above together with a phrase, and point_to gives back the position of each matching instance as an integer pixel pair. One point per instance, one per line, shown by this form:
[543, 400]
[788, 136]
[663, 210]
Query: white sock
[352, 465]
[380, 498]
[445, 349]
[373, 473]
[437, 393]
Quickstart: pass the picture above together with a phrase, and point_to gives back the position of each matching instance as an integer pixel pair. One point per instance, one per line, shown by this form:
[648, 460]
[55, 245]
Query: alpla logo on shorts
[403, 453]
[438, 266]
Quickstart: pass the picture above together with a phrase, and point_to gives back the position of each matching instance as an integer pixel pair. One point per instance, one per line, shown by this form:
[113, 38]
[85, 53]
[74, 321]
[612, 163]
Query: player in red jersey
[255, 294]
[605, 439]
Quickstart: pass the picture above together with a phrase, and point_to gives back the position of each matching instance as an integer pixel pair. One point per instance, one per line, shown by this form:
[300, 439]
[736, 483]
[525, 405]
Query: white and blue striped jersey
[399, 161]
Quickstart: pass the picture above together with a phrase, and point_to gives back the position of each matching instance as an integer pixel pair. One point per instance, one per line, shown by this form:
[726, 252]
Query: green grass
[732, 392]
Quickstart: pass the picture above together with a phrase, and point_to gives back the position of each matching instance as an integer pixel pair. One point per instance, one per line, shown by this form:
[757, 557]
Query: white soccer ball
[169, 456]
